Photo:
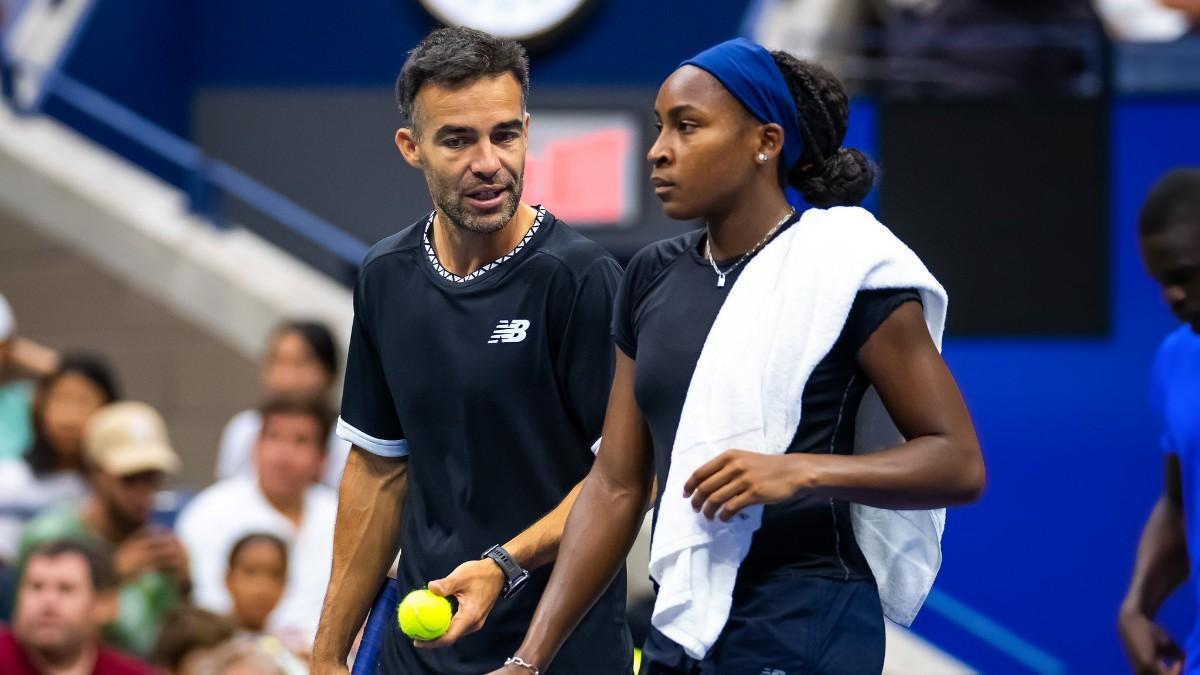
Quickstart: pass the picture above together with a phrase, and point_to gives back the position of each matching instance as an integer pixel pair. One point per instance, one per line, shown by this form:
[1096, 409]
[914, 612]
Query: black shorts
[786, 624]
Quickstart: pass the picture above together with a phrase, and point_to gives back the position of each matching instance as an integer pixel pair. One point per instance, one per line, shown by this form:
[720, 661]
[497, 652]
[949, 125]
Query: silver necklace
[766, 237]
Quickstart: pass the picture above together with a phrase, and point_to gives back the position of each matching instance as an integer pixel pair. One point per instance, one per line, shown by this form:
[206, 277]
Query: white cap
[8, 323]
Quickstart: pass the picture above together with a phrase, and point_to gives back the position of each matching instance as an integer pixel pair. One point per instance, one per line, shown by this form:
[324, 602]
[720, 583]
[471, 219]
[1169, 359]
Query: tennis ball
[423, 615]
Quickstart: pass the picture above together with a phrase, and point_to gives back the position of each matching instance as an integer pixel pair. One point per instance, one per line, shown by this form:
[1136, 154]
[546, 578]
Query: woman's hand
[736, 479]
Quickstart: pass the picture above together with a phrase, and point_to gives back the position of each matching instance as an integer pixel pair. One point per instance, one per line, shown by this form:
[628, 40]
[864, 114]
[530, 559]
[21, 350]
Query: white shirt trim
[378, 446]
[450, 276]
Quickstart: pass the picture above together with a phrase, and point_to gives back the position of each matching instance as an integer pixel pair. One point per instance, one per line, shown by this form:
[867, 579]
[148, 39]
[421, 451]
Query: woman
[301, 359]
[737, 125]
[51, 472]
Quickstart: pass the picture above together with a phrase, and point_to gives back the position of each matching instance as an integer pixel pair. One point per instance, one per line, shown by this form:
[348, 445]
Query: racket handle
[379, 622]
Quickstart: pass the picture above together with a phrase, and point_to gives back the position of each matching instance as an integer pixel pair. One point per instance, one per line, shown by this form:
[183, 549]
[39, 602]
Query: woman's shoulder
[648, 263]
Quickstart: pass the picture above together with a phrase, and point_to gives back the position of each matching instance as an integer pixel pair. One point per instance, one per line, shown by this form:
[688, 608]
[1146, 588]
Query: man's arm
[1161, 566]
[365, 540]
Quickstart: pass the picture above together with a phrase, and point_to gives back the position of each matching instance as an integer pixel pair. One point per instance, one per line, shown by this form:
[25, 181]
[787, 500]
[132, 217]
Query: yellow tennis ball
[423, 615]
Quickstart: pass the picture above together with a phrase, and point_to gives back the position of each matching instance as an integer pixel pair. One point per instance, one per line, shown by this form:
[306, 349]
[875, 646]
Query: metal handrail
[204, 172]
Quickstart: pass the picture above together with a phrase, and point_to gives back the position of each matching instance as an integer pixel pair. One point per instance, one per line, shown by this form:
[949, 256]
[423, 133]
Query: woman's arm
[939, 465]
[601, 527]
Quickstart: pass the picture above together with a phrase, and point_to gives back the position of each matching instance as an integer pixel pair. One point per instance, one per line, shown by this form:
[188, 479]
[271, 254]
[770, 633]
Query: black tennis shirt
[495, 387]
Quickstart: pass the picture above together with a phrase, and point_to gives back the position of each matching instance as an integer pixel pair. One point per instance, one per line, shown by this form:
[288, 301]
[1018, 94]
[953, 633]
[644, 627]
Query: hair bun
[843, 179]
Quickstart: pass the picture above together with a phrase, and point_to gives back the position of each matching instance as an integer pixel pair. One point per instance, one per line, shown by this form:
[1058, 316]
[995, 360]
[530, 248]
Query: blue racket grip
[379, 622]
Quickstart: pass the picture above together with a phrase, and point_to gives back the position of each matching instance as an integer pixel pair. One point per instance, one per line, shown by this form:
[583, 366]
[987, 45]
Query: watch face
[516, 19]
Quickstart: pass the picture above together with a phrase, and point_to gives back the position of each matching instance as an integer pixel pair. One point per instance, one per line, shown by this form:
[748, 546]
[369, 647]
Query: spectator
[51, 470]
[21, 360]
[188, 634]
[67, 593]
[245, 657]
[256, 579]
[1149, 20]
[284, 498]
[946, 47]
[301, 360]
[129, 457]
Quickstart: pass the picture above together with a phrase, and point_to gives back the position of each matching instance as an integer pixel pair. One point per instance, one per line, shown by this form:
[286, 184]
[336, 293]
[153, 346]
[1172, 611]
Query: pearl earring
[762, 156]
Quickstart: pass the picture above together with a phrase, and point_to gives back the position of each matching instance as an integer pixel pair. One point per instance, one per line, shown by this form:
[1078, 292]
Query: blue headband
[749, 73]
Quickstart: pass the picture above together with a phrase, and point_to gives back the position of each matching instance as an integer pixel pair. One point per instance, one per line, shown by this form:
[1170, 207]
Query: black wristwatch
[515, 576]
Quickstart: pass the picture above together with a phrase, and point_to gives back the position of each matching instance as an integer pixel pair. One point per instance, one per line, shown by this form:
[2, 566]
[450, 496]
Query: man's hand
[736, 479]
[135, 556]
[476, 585]
[1150, 649]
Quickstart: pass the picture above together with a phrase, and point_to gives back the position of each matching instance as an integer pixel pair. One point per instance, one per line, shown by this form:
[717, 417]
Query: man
[479, 368]
[1169, 238]
[285, 498]
[129, 456]
[67, 593]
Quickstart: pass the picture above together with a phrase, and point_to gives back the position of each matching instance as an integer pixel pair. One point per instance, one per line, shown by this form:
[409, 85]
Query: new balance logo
[510, 331]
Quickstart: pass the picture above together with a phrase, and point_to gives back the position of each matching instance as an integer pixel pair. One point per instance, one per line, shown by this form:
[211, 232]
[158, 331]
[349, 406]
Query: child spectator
[256, 579]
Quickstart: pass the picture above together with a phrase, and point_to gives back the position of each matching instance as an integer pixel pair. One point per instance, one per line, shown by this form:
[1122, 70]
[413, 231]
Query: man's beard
[450, 202]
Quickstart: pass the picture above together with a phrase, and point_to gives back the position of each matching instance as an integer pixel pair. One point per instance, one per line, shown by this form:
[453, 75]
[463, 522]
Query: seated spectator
[284, 498]
[242, 656]
[256, 579]
[301, 360]
[188, 634]
[51, 470]
[129, 456]
[67, 594]
[21, 362]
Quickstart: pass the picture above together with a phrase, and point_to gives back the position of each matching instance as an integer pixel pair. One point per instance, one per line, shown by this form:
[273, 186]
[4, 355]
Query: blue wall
[1069, 440]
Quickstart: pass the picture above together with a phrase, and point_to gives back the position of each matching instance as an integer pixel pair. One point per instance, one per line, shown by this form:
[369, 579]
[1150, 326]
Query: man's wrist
[515, 575]
[496, 572]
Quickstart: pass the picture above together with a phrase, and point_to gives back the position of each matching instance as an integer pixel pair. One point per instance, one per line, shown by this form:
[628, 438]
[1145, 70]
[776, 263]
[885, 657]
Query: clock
[514, 19]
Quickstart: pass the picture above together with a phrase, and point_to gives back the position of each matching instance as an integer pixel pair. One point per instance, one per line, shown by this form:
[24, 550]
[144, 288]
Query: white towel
[781, 318]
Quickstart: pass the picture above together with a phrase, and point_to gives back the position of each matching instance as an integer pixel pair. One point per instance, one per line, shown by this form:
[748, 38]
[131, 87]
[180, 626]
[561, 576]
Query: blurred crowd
[970, 47]
[95, 567]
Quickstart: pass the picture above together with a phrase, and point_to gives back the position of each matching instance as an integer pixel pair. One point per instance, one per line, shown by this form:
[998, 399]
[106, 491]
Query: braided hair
[826, 174]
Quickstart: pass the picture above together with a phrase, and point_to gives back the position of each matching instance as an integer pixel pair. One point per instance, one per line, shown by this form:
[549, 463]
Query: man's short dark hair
[1174, 200]
[308, 406]
[457, 56]
[97, 556]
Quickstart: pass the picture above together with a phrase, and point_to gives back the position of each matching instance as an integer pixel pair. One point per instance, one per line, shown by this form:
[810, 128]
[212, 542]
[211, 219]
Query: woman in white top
[51, 471]
[301, 359]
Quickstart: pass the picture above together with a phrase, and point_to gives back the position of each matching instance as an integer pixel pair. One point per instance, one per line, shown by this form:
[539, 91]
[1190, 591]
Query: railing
[204, 173]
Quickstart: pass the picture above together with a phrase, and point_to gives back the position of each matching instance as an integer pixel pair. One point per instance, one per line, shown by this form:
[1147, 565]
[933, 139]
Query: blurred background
[178, 178]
